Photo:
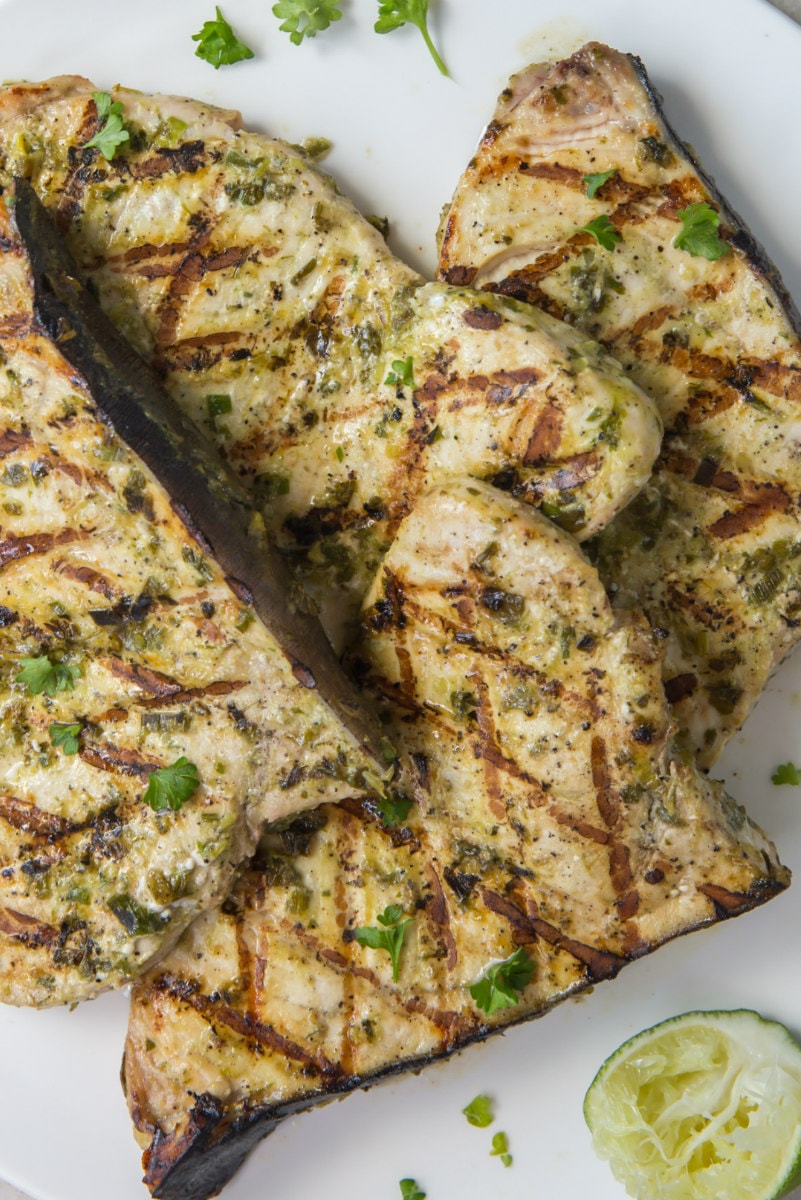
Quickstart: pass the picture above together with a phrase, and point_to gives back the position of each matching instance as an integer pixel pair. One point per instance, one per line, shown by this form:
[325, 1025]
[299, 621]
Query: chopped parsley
[393, 810]
[593, 182]
[112, 134]
[66, 735]
[410, 1190]
[218, 406]
[389, 937]
[402, 372]
[392, 14]
[170, 787]
[500, 1146]
[499, 986]
[699, 232]
[219, 45]
[479, 1112]
[42, 675]
[787, 773]
[603, 231]
[306, 18]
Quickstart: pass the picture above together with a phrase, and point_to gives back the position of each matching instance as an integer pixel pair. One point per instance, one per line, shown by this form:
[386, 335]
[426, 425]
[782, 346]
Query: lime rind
[703, 1106]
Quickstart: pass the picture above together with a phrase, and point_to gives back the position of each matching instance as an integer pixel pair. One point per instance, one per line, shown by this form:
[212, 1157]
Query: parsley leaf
[499, 986]
[786, 773]
[390, 938]
[603, 231]
[402, 372]
[170, 787]
[593, 182]
[112, 134]
[394, 13]
[699, 232]
[500, 1146]
[479, 1112]
[66, 735]
[306, 18]
[42, 675]
[410, 1190]
[219, 45]
[393, 809]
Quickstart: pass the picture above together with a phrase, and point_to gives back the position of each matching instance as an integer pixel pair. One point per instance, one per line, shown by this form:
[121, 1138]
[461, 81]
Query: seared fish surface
[711, 548]
[550, 815]
[123, 650]
[334, 379]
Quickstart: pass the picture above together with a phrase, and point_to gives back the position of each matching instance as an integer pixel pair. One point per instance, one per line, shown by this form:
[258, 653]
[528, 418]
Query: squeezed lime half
[705, 1106]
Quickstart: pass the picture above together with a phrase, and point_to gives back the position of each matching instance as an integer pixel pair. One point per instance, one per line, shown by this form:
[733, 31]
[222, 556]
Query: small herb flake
[218, 405]
[389, 938]
[42, 675]
[479, 1112]
[787, 773]
[410, 1190]
[66, 735]
[170, 787]
[306, 18]
[402, 372]
[593, 182]
[219, 45]
[500, 1147]
[393, 810]
[112, 133]
[392, 14]
[499, 986]
[699, 232]
[603, 231]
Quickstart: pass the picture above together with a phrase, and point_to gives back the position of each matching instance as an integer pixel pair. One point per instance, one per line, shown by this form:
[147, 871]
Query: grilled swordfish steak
[711, 548]
[334, 379]
[549, 821]
[150, 721]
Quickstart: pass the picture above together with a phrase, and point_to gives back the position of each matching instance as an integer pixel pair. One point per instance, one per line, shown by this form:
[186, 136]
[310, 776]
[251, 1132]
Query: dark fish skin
[206, 493]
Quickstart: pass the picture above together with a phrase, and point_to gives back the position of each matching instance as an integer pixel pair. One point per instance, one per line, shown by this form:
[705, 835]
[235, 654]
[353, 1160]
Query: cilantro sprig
[40, 674]
[402, 372]
[787, 773]
[112, 134]
[306, 18]
[389, 937]
[597, 180]
[603, 231]
[410, 1190]
[500, 986]
[699, 232]
[219, 45]
[170, 787]
[479, 1112]
[392, 14]
[65, 735]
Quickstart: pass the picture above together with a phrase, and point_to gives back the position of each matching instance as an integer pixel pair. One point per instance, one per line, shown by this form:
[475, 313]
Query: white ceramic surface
[730, 78]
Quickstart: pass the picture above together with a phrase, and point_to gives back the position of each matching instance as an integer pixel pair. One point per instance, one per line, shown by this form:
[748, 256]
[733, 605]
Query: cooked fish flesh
[711, 548]
[550, 816]
[336, 381]
[126, 657]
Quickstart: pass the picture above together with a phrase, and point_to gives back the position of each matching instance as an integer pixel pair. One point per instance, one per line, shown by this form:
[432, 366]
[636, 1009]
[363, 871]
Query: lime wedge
[705, 1106]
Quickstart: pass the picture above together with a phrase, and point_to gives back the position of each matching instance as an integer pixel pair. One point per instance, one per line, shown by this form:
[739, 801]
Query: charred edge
[733, 904]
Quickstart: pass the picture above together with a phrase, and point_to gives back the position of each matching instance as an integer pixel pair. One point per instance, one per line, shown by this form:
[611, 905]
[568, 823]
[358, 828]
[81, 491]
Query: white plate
[402, 134]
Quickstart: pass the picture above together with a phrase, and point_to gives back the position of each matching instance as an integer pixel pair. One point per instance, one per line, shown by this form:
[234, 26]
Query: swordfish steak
[711, 548]
[125, 657]
[549, 816]
[336, 381]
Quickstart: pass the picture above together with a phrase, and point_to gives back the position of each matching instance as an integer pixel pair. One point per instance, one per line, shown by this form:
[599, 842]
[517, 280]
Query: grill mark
[731, 904]
[439, 917]
[217, 1013]
[523, 930]
[12, 440]
[680, 687]
[487, 747]
[117, 760]
[771, 499]
[26, 929]
[234, 256]
[188, 274]
[27, 818]
[574, 471]
[82, 169]
[150, 681]
[88, 576]
[482, 318]
[545, 437]
[606, 798]
[26, 545]
[187, 158]
[197, 354]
